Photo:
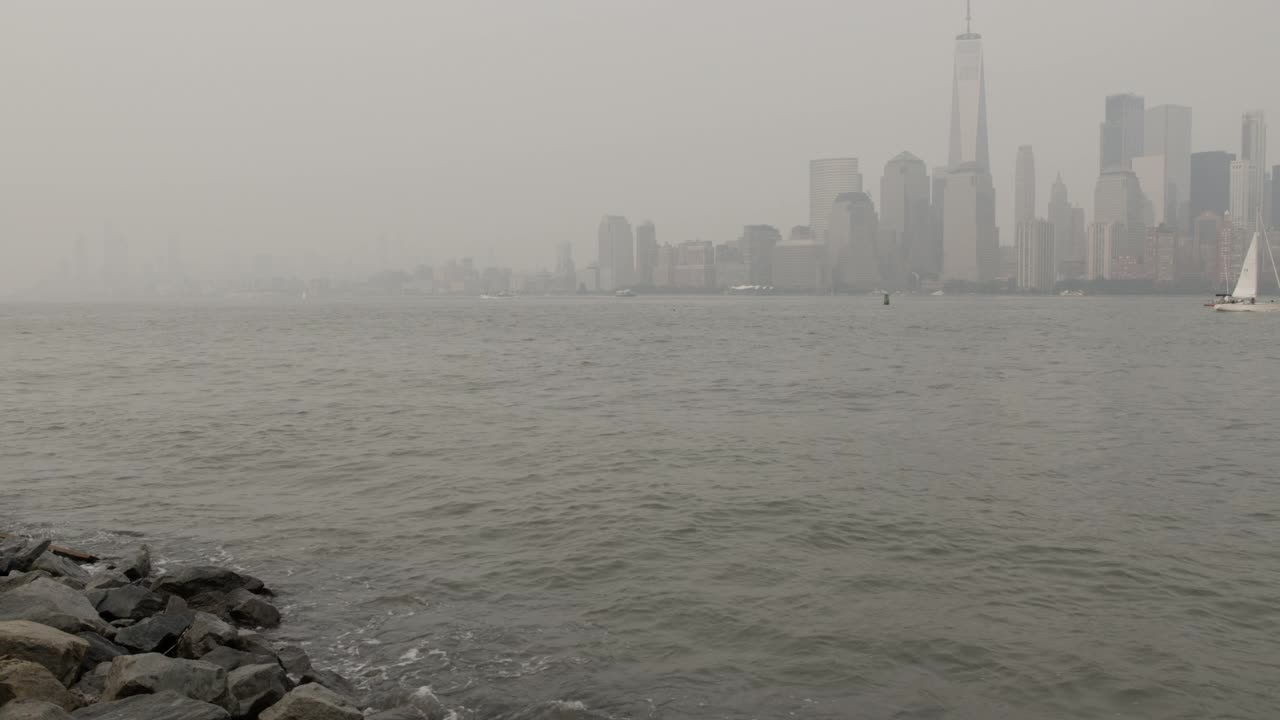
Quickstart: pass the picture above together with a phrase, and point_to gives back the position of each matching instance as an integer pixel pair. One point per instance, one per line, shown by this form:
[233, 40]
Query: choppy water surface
[696, 508]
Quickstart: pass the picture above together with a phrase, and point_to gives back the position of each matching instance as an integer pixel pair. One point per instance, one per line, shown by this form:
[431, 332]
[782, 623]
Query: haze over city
[427, 131]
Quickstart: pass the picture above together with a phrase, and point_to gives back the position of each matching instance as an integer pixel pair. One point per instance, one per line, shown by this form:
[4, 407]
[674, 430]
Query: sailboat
[1244, 298]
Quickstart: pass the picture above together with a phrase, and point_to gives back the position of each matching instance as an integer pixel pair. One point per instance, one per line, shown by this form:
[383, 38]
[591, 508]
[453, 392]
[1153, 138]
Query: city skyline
[523, 234]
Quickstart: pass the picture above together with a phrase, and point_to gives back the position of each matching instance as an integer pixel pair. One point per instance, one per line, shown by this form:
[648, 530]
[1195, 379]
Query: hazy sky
[459, 127]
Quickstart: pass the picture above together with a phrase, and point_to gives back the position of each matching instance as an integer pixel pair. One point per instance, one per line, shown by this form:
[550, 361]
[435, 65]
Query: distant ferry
[624, 293]
[501, 295]
[751, 290]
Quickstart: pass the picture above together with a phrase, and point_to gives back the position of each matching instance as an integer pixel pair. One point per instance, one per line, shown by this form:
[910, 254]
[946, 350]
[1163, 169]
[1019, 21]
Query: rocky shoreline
[109, 639]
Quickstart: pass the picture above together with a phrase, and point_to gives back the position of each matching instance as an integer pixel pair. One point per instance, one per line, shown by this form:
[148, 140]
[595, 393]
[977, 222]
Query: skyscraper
[1036, 264]
[1118, 198]
[1275, 196]
[1211, 182]
[646, 253]
[970, 245]
[1102, 237]
[1024, 186]
[1150, 171]
[969, 102]
[615, 258]
[852, 235]
[1068, 228]
[1122, 131]
[970, 249]
[1244, 194]
[1253, 149]
[904, 212]
[757, 244]
[828, 178]
[1167, 133]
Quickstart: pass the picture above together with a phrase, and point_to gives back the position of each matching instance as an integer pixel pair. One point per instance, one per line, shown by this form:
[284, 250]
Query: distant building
[615, 257]
[1118, 198]
[1167, 134]
[968, 141]
[937, 204]
[1150, 171]
[646, 253]
[1244, 194]
[1102, 237]
[757, 243]
[664, 267]
[1275, 197]
[1205, 231]
[1068, 231]
[1122, 131]
[1161, 252]
[829, 178]
[970, 244]
[798, 266]
[696, 265]
[904, 214]
[1024, 186]
[1253, 150]
[1230, 254]
[854, 254]
[566, 276]
[1211, 182]
[731, 266]
[1036, 265]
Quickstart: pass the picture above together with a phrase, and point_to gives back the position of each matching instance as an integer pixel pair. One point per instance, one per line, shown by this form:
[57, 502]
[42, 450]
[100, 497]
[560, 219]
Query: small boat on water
[500, 295]
[1244, 298]
[624, 293]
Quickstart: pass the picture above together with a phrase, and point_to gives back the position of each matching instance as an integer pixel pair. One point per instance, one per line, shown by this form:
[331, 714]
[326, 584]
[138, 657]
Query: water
[957, 507]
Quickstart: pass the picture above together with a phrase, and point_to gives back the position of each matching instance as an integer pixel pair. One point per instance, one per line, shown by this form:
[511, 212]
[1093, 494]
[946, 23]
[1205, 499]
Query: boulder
[213, 602]
[191, 581]
[330, 680]
[57, 651]
[400, 713]
[153, 673]
[32, 710]
[18, 579]
[25, 680]
[92, 683]
[253, 643]
[59, 566]
[129, 602]
[160, 706]
[23, 558]
[253, 688]
[101, 650]
[295, 660]
[158, 633]
[50, 603]
[136, 565]
[311, 702]
[229, 659]
[205, 633]
[248, 609]
[105, 580]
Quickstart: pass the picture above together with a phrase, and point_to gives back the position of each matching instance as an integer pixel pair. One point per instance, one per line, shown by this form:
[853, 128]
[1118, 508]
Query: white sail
[1247, 284]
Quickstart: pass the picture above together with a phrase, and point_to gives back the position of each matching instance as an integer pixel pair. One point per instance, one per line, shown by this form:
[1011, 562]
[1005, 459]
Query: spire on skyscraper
[969, 101]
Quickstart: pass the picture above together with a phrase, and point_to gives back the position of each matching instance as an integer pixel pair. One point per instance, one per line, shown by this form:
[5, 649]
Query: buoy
[886, 298]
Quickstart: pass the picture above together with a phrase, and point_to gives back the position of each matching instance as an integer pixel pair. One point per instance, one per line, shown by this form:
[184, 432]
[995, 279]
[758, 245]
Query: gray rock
[94, 596]
[92, 683]
[160, 706]
[400, 713]
[101, 650]
[153, 673]
[331, 680]
[59, 652]
[59, 566]
[50, 603]
[229, 659]
[158, 633]
[295, 660]
[105, 580]
[254, 688]
[18, 579]
[25, 558]
[136, 565]
[192, 581]
[253, 643]
[25, 680]
[129, 602]
[205, 633]
[311, 702]
[32, 710]
[248, 609]
[123, 623]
